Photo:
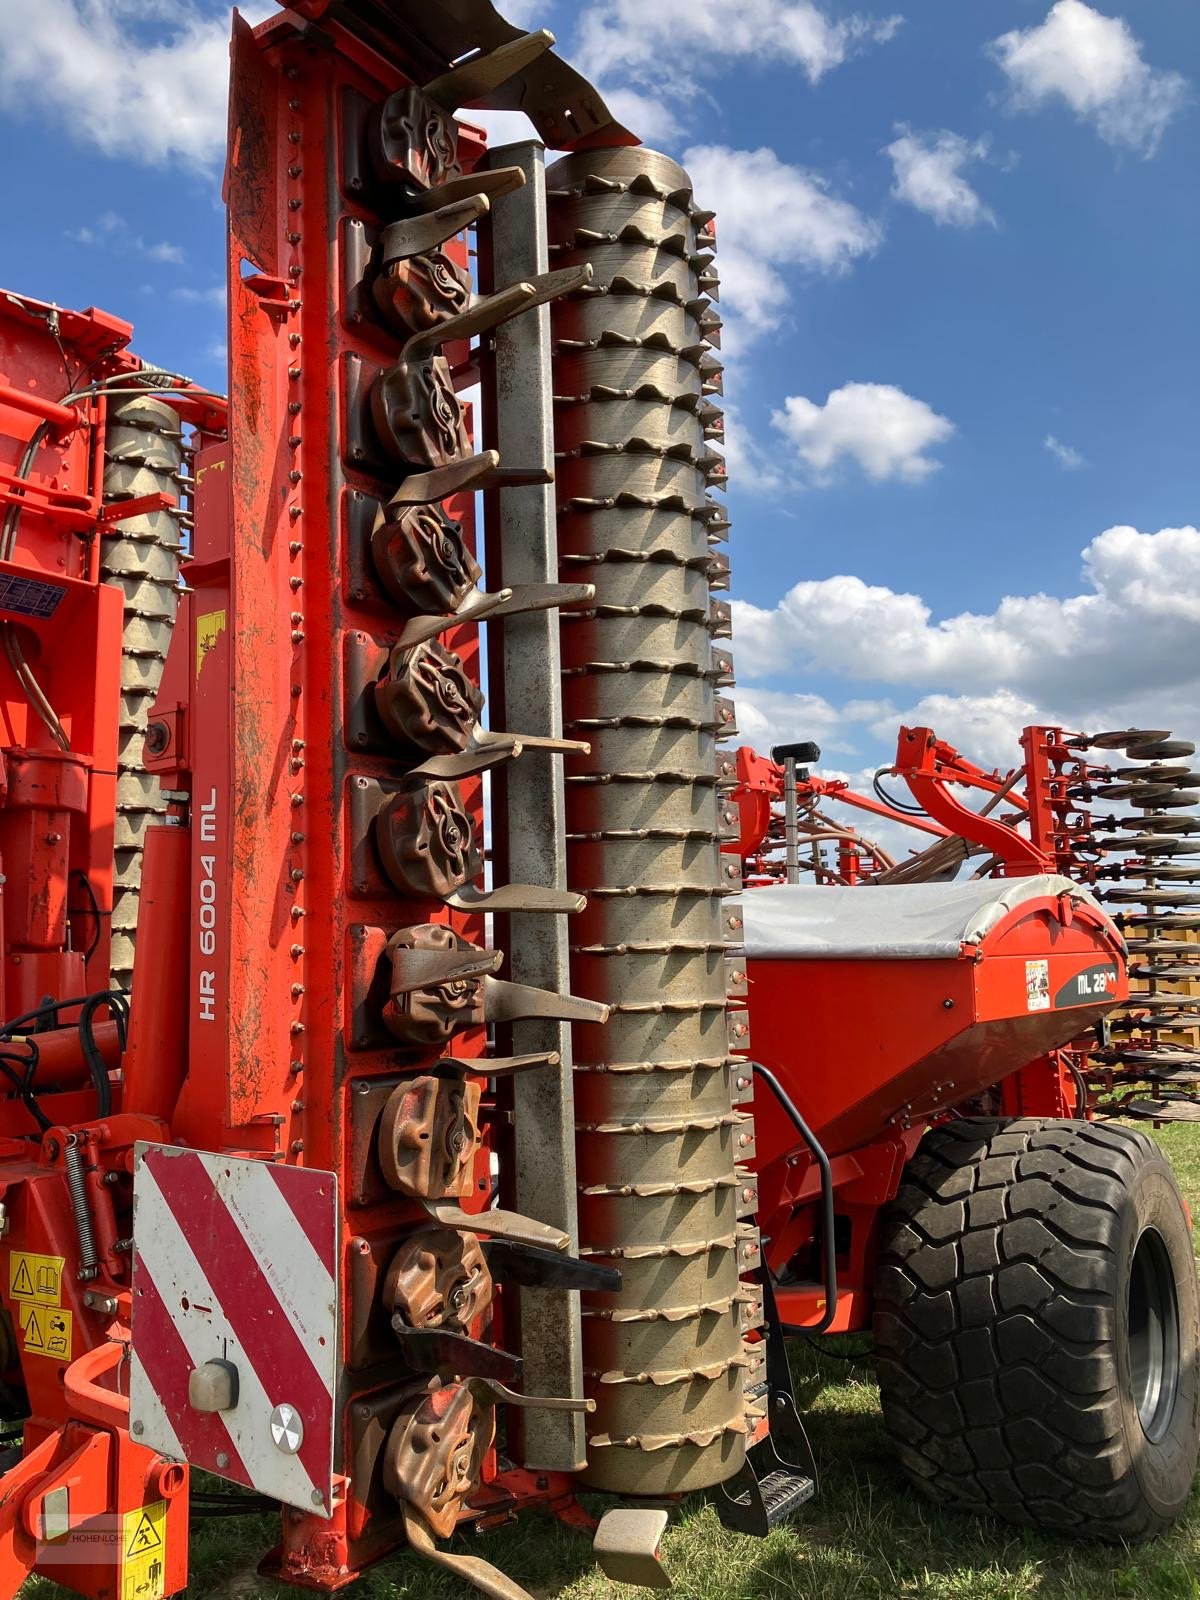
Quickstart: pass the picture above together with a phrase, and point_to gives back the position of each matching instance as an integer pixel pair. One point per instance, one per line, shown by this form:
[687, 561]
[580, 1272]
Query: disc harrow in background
[1150, 1067]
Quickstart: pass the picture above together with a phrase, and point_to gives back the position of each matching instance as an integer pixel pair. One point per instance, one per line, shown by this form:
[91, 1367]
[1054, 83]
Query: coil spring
[89, 1265]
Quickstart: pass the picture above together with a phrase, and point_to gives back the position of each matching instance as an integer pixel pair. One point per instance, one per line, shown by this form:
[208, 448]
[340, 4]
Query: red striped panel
[312, 1208]
[249, 1304]
[168, 1364]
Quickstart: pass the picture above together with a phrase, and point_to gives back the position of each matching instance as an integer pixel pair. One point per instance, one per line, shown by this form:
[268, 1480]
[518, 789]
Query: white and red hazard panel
[235, 1319]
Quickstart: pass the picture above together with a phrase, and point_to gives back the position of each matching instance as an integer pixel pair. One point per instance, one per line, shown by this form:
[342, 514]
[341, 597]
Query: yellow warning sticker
[33, 1277]
[209, 629]
[143, 1552]
[45, 1330]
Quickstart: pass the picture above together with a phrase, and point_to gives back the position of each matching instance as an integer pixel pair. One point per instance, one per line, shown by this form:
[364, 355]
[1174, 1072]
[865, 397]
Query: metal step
[754, 1505]
[783, 1492]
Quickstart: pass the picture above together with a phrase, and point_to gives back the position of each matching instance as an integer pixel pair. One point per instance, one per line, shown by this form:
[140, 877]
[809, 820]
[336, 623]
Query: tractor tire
[1037, 1324]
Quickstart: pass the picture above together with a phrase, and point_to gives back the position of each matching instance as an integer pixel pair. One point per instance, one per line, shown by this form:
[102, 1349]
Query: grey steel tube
[528, 797]
[659, 1132]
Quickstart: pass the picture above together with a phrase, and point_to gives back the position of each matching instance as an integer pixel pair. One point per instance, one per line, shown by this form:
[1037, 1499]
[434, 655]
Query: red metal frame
[62, 1507]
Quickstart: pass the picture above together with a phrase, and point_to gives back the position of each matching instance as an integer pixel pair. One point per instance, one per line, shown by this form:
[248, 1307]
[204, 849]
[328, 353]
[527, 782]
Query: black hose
[795, 1329]
[94, 912]
[91, 1051]
[202, 1504]
[46, 1016]
[1082, 1097]
[828, 1229]
[906, 808]
[24, 1084]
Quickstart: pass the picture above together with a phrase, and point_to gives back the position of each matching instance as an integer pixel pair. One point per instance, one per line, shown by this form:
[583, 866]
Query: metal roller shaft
[143, 455]
[658, 1135]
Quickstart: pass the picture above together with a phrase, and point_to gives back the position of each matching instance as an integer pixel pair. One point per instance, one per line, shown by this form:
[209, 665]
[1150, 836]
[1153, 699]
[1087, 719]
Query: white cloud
[985, 727]
[771, 216]
[884, 430]
[90, 66]
[928, 170]
[1125, 648]
[171, 253]
[1066, 455]
[1094, 63]
[661, 52]
[113, 233]
[214, 295]
[526, 13]
[634, 39]
[768, 717]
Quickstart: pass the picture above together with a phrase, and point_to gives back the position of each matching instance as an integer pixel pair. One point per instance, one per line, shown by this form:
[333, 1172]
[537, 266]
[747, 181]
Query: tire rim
[1153, 1335]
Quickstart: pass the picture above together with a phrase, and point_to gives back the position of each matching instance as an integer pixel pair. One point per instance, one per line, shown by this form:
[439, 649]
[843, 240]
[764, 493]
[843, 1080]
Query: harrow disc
[1149, 800]
[1178, 1108]
[1159, 749]
[1124, 737]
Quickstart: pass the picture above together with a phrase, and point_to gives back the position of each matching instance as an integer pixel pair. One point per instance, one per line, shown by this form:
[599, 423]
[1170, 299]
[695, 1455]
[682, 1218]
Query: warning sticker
[32, 1277]
[144, 1548]
[45, 1330]
[1037, 986]
[209, 629]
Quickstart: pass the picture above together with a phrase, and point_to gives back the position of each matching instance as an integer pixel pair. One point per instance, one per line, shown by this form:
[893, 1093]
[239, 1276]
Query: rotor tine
[492, 309]
[524, 597]
[466, 475]
[491, 1388]
[494, 182]
[476, 606]
[472, 82]
[471, 1570]
[501, 1224]
[506, 1066]
[426, 969]
[538, 741]
[509, 1002]
[416, 236]
[516, 897]
[475, 758]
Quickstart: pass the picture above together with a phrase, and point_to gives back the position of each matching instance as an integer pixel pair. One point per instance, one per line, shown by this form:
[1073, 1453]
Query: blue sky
[958, 247]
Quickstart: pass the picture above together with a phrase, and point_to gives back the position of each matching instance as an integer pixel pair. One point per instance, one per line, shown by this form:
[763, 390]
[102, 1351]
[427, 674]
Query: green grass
[865, 1537]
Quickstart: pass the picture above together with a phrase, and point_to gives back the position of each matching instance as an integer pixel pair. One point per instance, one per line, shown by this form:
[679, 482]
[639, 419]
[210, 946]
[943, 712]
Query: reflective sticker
[143, 1552]
[1037, 986]
[33, 1277]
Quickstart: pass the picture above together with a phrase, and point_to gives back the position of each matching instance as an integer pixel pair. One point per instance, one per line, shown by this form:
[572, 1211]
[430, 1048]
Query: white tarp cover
[889, 922]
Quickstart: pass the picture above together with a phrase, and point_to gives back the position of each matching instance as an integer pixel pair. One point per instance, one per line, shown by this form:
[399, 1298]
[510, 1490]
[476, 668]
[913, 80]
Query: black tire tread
[994, 1330]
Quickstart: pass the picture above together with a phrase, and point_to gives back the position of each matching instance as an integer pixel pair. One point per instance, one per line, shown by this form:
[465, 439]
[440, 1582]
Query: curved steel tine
[516, 897]
[471, 82]
[506, 1066]
[415, 236]
[536, 741]
[496, 1223]
[507, 1002]
[475, 758]
[476, 606]
[424, 488]
[499, 1394]
[492, 309]
[424, 969]
[474, 1570]
[545, 597]
[495, 183]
